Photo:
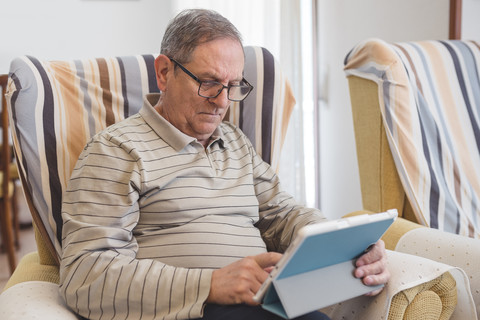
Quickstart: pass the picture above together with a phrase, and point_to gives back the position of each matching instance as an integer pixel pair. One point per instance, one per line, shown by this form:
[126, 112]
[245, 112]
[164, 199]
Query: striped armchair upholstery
[416, 114]
[56, 106]
[429, 98]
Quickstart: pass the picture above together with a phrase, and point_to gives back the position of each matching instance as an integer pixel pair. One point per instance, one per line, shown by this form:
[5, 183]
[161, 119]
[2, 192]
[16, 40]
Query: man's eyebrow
[212, 77]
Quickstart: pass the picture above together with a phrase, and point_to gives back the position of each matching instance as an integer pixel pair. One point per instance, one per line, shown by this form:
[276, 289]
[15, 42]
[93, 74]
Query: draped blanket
[429, 94]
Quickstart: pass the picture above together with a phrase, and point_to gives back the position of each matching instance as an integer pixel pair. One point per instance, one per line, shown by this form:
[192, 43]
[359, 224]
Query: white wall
[343, 23]
[66, 29]
[61, 29]
[470, 20]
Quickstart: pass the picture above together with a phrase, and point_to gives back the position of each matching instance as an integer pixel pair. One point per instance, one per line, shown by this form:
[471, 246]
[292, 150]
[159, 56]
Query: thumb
[267, 259]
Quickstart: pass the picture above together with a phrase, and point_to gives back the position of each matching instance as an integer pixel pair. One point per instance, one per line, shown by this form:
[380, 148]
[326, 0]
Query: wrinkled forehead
[223, 58]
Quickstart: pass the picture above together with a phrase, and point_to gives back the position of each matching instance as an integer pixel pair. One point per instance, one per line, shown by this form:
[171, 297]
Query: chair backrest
[56, 106]
[429, 100]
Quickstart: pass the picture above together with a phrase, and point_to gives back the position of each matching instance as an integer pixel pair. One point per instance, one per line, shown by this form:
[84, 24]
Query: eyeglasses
[211, 89]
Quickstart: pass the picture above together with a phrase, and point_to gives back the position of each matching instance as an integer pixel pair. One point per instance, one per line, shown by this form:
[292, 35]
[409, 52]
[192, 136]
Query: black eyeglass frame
[194, 77]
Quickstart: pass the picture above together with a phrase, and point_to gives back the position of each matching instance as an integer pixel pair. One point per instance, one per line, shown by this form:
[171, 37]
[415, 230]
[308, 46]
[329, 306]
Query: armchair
[56, 106]
[416, 117]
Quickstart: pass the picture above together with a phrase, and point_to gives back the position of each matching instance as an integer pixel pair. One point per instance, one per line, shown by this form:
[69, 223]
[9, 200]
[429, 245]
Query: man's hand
[372, 267]
[238, 282]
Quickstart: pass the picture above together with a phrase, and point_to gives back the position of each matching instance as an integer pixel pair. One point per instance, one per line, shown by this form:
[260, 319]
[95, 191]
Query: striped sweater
[149, 213]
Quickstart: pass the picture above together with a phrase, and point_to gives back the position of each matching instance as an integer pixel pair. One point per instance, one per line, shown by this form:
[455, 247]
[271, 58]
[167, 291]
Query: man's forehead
[218, 60]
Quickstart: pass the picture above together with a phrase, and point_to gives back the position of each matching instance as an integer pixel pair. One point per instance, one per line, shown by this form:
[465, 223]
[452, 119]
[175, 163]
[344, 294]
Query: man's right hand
[238, 282]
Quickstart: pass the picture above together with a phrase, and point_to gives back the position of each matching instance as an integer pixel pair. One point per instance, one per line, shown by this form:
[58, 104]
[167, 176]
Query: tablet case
[320, 272]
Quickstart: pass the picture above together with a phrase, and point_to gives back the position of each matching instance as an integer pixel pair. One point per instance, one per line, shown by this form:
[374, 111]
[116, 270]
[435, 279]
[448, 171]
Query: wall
[343, 23]
[470, 21]
[67, 29]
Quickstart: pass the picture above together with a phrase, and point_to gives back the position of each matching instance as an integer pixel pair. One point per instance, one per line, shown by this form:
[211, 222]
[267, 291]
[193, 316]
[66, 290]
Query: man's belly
[207, 242]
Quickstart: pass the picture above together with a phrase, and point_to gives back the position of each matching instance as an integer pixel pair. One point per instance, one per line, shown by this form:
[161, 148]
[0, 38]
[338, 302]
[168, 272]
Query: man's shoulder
[124, 129]
[127, 124]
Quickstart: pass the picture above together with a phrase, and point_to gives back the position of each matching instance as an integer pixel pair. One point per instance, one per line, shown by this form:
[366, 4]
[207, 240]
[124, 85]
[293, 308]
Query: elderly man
[171, 213]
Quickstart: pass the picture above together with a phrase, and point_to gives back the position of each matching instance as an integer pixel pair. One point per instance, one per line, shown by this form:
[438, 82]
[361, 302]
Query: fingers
[375, 253]
[267, 259]
[374, 293]
[372, 267]
[239, 281]
[257, 272]
[266, 262]
[269, 269]
[373, 279]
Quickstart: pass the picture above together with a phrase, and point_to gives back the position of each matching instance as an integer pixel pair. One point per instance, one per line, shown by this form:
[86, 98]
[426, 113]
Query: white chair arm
[448, 248]
[34, 300]
[407, 271]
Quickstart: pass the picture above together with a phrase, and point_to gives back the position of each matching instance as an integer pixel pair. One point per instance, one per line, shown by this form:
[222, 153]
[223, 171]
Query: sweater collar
[173, 136]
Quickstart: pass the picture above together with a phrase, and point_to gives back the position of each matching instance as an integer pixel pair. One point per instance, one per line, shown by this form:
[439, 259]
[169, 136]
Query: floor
[26, 238]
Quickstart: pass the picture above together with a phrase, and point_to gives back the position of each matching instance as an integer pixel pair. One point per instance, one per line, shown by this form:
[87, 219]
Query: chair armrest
[417, 286]
[435, 299]
[432, 286]
[34, 300]
[30, 269]
[452, 249]
[396, 230]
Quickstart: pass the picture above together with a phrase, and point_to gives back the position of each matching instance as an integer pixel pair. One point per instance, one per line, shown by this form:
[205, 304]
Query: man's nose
[222, 99]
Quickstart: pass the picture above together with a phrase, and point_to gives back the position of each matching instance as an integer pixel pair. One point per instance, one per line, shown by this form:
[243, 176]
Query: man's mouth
[212, 113]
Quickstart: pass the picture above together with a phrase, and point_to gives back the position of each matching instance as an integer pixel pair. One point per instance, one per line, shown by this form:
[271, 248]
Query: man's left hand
[372, 267]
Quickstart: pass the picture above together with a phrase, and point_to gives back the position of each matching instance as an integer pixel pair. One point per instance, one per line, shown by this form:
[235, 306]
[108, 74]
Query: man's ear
[162, 68]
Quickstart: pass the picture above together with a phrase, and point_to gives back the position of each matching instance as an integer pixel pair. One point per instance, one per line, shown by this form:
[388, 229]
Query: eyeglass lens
[211, 89]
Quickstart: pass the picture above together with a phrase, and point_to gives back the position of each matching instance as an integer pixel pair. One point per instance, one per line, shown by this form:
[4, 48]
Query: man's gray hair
[193, 27]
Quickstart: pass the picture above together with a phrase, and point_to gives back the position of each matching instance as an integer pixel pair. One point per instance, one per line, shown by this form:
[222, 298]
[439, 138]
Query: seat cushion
[34, 300]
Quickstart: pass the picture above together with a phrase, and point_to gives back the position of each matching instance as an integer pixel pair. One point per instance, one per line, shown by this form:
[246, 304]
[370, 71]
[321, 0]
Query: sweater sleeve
[100, 276]
[280, 217]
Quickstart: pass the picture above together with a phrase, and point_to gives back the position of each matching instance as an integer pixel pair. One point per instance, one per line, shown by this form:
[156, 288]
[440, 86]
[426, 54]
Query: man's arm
[100, 275]
[281, 217]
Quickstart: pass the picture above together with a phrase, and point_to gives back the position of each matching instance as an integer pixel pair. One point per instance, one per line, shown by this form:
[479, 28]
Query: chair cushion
[30, 269]
[452, 249]
[438, 296]
[429, 94]
[56, 106]
[34, 300]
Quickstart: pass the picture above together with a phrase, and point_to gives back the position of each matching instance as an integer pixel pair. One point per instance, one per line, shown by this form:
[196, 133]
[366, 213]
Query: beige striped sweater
[149, 213]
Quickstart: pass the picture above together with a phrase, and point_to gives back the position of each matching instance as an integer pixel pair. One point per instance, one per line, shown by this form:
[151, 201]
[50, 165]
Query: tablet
[328, 244]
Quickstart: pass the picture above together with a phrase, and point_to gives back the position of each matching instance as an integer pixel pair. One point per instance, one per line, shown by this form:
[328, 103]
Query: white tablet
[331, 244]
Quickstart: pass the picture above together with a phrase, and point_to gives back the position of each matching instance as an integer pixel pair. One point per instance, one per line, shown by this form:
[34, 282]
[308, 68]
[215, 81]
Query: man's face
[221, 60]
